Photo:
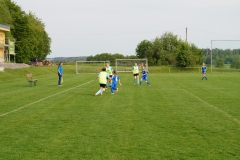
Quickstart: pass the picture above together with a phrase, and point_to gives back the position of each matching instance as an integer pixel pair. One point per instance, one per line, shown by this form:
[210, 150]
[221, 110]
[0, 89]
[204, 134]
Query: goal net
[90, 66]
[125, 65]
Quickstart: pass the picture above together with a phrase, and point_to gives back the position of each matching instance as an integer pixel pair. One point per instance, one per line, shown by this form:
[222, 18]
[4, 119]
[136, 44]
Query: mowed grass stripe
[205, 91]
[210, 92]
[27, 96]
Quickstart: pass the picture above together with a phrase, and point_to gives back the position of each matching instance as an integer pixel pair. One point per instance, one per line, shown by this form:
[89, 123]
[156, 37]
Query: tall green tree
[142, 48]
[183, 55]
[219, 63]
[40, 40]
[157, 51]
[20, 31]
[5, 16]
[169, 50]
[29, 32]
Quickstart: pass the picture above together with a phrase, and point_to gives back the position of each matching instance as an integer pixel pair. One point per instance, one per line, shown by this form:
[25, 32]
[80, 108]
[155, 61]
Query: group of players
[109, 78]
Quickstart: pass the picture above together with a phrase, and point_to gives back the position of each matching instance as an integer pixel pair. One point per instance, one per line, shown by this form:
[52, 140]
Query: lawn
[179, 116]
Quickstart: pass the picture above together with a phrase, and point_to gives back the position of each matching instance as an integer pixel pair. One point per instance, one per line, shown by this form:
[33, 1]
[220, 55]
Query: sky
[90, 27]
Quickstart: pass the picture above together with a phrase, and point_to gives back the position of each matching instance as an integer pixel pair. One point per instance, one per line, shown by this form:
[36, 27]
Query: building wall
[2, 37]
[2, 42]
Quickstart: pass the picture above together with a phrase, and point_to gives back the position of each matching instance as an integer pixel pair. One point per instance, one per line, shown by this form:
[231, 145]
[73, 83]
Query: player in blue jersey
[144, 76]
[60, 74]
[204, 71]
[115, 80]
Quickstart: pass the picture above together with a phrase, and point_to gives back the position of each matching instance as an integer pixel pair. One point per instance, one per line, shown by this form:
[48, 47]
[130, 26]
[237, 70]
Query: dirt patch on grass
[14, 65]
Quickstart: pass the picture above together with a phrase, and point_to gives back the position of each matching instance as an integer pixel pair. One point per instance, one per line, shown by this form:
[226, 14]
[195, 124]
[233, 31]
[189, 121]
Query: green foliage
[41, 41]
[235, 64]
[142, 48]
[109, 57]
[5, 16]
[29, 32]
[228, 55]
[169, 50]
[219, 63]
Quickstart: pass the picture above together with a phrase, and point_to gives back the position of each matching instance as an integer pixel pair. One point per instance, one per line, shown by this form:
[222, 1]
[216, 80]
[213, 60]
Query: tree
[142, 48]
[109, 57]
[29, 32]
[5, 17]
[157, 51]
[219, 63]
[20, 31]
[169, 50]
[170, 44]
[235, 64]
[41, 41]
[183, 59]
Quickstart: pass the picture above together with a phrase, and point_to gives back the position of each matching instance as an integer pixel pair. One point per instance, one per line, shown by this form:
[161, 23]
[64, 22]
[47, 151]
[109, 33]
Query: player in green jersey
[102, 76]
[109, 70]
[135, 71]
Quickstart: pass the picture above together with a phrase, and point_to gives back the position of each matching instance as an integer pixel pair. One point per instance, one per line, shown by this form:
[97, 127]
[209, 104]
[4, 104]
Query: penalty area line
[209, 105]
[15, 110]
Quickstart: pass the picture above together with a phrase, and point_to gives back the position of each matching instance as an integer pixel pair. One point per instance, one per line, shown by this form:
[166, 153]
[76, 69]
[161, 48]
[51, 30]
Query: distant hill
[67, 59]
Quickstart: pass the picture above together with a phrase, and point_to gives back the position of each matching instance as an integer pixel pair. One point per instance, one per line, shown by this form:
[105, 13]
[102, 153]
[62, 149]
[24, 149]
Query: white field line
[215, 108]
[212, 106]
[4, 114]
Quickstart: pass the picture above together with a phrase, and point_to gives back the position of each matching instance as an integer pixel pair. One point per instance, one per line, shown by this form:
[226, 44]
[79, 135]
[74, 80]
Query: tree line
[222, 56]
[33, 41]
[168, 49]
[165, 50]
[31, 38]
[109, 57]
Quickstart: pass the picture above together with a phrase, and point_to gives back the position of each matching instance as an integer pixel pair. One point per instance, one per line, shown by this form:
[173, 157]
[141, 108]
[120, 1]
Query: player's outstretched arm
[119, 82]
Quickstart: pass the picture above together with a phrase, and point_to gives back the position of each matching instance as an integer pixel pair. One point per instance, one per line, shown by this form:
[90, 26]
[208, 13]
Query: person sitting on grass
[115, 80]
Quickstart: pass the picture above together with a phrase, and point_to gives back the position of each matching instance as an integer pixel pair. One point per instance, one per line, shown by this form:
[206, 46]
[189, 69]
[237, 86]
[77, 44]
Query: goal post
[212, 53]
[90, 66]
[125, 65]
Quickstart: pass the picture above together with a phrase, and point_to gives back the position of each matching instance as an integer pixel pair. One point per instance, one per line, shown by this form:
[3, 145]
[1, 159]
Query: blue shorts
[145, 78]
[114, 85]
[204, 72]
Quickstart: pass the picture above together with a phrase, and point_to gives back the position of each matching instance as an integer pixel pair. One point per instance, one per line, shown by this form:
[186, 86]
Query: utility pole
[186, 34]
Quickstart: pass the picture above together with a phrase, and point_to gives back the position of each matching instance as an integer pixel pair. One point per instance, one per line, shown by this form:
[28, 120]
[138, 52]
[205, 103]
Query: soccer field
[179, 116]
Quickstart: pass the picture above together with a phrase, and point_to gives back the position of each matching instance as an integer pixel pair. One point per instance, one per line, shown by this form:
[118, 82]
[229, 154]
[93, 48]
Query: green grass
[178, 117]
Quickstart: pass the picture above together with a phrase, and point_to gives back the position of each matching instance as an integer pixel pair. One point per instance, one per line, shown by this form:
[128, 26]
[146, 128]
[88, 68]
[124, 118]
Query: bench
[31, 80]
